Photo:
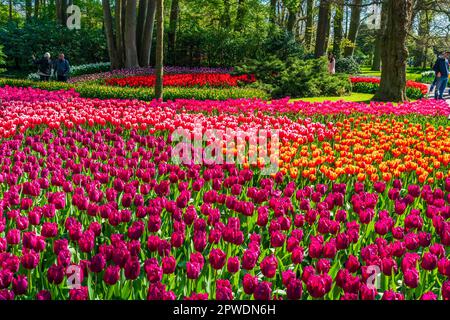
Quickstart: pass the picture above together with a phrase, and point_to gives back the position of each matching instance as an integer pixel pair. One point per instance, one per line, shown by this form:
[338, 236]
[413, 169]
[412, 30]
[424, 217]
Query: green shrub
[21, 40]
[347, 65]
[365, 87]
[2, 58]
[89, 68]
[170, 93]
[296, 77]
[282, 45]
[427, 77]
[414, 93]
[330, 86]
[266, 71]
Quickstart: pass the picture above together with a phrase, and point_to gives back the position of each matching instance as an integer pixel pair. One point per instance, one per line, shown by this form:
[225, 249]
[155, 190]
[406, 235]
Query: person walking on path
[44, 66]
[441, 67]
[62, 68]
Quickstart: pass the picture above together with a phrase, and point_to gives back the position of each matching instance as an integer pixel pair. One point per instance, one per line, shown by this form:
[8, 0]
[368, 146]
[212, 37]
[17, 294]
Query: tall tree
[123, 15]
[337, 27]
[394, 52]
[28, 9]
[10, 9]
[172, 32]
[376, 62]
[110, 39]
[423, 39]
[58, 11]
[61, 11]
[129, 33]
[226, 18]
[323, 27]
[118, 18]
[131, 56]
[142, 13]
[292, 8]
[36, 8]
[273, 11]
[309, 23]
[146, 45]
[240, 15]
[159, 49]
[355, 21]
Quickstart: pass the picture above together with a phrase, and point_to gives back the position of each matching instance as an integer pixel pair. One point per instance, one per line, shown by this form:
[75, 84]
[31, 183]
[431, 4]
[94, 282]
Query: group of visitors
[60, 67]
[441, 70]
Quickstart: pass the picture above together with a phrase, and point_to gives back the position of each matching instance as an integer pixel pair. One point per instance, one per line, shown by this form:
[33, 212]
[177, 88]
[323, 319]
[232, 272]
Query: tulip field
[93, 207]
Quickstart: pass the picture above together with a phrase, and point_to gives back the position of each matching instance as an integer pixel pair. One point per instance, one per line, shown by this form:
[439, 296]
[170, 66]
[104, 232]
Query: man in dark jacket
[441, 67]
[44, 66]
[62, 68]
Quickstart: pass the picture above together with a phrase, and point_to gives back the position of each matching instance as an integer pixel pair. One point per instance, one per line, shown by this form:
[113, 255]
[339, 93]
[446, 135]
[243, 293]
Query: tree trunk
[323, 27]
[110, 41]
[28, 9]
[354, 27]
[422, 39]
[36, 8]
[147, 37]
[226, 19]
[172, 33]
[292, 19]
[61, 11]
[119, 32]
[394, 52]
[142, 13]
[131, 57]
[10, 5]
[309, 23]
[123, 15]
[337, 28]
[159, 49]
[58, 11]
[64, 12]
[376, 62]
[273, 13]
[240, 15]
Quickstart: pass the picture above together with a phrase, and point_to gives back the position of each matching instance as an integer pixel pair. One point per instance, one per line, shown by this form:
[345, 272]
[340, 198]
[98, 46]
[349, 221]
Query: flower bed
[90, 193]
[88, 90]
[283, 106]
[29, 94]
[414, 90]
[183, 80]
[146, 71]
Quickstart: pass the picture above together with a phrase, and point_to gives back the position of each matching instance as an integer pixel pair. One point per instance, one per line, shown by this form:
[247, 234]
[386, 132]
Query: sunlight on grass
[354, 97]
[413, 75]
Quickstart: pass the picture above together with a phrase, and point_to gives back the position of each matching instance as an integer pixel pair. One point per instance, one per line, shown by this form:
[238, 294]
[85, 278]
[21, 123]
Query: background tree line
[215, 32]
[227, 32]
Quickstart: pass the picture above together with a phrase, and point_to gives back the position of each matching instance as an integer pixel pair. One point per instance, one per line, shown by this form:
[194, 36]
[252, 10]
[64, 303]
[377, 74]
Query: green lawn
[354, 97]
[411, 74]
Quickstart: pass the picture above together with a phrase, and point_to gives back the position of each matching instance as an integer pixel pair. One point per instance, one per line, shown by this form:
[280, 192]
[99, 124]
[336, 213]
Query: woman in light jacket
[331, 63]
